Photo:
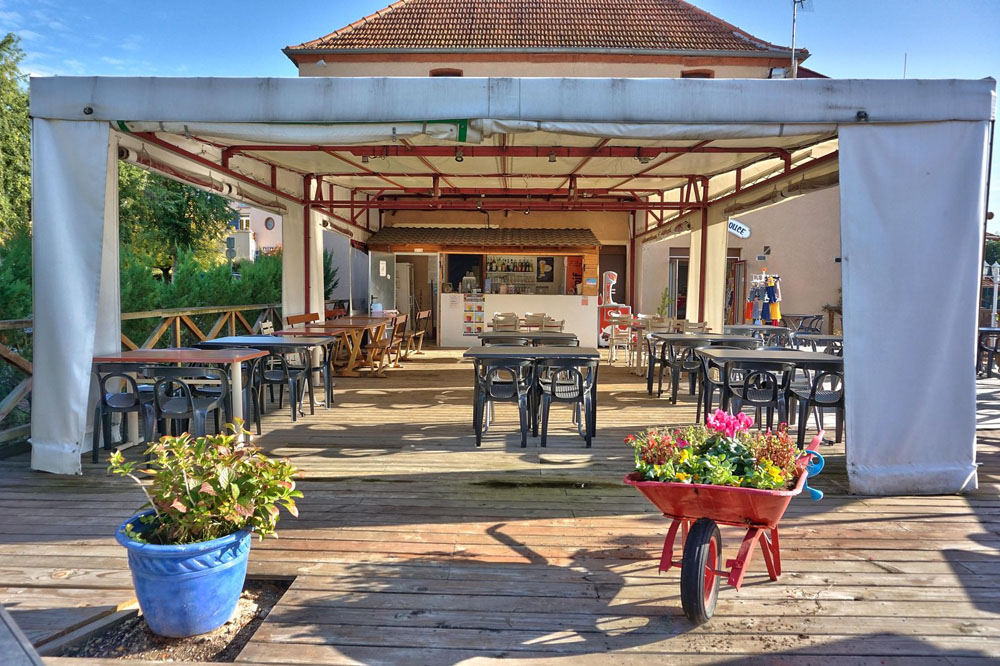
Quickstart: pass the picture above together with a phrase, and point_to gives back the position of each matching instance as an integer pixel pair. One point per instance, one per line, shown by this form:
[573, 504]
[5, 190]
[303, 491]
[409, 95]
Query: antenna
[807, 6]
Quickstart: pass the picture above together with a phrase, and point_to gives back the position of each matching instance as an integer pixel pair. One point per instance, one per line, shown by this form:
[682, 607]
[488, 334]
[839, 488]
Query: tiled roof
[556, 25]
[482, 237]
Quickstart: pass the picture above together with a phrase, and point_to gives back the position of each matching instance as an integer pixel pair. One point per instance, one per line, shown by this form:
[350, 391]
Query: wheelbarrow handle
[814, 467]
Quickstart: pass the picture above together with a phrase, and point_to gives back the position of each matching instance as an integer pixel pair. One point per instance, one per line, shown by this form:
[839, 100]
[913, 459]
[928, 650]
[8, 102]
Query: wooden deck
[415, 548]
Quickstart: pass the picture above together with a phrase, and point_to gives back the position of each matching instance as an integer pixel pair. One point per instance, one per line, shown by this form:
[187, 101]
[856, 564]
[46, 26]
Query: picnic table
[353, 332]
[232, 357]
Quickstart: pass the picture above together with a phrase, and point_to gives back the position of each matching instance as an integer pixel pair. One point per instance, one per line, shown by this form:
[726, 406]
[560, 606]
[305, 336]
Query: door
[678, 282]
[613, 258]
[736, 291]
[381, 279]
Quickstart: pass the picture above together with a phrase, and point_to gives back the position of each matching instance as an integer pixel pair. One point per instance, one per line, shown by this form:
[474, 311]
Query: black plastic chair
[713, 376]
[653, 359]
[762, 385]
[277, 371]
[818, 397]
[132, 399]
[502, 380]
[568, 380]
[251, 398]
[174, 399]
[682, 360]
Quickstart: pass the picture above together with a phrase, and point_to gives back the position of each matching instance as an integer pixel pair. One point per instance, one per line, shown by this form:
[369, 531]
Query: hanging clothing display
[763, 300]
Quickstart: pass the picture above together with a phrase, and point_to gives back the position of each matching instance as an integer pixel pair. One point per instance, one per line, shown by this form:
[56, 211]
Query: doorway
[678, 284]
[417, 287]
[614, 258]
[381, 277]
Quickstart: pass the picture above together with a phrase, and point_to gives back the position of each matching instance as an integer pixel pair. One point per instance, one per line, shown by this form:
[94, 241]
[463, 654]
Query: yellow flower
[685, 454]
[682, 477]
[775, 473]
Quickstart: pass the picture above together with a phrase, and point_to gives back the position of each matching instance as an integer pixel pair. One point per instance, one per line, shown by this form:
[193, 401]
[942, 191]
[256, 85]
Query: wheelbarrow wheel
[699, 582]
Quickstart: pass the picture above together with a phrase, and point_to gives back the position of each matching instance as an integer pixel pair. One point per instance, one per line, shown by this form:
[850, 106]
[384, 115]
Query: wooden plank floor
[413, 547]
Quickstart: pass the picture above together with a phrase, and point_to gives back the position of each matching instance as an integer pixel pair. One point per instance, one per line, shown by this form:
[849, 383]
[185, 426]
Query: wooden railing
[171, 328]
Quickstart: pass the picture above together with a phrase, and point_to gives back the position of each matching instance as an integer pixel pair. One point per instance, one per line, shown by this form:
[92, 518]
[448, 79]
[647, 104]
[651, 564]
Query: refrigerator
[404, 290]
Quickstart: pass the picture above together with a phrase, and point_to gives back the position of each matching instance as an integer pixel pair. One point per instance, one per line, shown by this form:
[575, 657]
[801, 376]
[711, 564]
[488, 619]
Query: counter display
[578, 312]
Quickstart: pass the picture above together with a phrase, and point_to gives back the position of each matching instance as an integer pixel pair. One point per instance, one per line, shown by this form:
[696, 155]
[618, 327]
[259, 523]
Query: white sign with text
[737, 228]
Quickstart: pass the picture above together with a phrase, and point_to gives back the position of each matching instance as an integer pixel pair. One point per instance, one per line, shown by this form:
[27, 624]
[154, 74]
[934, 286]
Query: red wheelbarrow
[707, 506]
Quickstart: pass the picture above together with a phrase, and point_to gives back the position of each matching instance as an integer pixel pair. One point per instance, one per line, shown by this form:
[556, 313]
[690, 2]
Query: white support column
[76, 282]
[715, 270]
[293, 260]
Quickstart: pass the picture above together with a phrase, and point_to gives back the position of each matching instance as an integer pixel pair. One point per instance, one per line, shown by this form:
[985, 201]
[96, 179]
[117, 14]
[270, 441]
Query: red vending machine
[606, 305]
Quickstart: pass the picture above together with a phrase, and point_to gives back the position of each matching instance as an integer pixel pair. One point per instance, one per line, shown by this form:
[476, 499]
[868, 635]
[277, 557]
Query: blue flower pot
[190, 589]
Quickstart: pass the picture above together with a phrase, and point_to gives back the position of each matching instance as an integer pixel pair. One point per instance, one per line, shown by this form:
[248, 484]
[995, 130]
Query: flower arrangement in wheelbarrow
[188, 550]
[720, 473]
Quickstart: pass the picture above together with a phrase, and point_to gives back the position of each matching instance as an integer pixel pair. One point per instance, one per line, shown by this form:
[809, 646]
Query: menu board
[474, 318]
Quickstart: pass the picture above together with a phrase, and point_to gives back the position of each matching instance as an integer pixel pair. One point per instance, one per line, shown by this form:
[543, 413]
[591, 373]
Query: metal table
[818, 339]
[233, 357]
[806, 360]
[794, 321]
[537, 337]
[478, 354]
[688, 340]
[284, 344]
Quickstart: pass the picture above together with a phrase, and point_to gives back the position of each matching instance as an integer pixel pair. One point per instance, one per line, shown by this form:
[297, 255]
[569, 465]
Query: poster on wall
[574, 274]
[474, 319]
[545, 269]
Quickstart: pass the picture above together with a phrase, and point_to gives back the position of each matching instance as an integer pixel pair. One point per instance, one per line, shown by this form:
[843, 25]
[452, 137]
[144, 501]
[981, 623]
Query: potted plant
[188, 549]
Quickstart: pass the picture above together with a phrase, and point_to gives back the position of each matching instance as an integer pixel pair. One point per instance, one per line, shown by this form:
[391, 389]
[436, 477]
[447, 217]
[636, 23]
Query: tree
[992, 252]
[160, 218]
[15, 141]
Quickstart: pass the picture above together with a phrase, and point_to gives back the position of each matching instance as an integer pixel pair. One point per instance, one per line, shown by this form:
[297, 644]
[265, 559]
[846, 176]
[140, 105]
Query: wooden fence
[170, 328]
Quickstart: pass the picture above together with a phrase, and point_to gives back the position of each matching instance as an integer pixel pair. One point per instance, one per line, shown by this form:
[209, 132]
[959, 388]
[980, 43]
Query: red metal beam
[761, 184]
[490, 203]
[396, 150]
[151, 138]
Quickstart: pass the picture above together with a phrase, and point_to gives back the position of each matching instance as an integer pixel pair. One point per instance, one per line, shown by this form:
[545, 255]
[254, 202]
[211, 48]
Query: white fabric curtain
[76, 300]
[912, 211]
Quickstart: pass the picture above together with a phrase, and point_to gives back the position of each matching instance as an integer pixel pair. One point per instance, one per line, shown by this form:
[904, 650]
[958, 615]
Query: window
[244, 222]
[446, 71]
[698, 74]
[269, 223]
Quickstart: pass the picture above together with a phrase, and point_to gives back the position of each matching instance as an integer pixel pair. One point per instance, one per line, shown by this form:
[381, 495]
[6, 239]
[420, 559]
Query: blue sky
[848, 38]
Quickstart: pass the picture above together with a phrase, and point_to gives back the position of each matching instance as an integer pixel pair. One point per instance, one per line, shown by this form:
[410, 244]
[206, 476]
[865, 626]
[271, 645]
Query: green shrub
[206, 488]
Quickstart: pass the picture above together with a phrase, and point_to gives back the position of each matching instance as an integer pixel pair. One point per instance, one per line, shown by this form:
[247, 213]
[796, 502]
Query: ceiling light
[527, 210]
[364, 159]
[552, 156]
[643, 159]
[459, 157]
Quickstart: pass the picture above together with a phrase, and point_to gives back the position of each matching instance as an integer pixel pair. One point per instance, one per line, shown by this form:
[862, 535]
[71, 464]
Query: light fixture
[479, 204]
[321, 63]
[459, 157]
[364, 159]
[643, 159]
[552, 156]
[527, 210]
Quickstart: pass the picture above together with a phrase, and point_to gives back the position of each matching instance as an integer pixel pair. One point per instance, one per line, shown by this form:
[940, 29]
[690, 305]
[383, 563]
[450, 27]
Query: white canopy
[912, 173]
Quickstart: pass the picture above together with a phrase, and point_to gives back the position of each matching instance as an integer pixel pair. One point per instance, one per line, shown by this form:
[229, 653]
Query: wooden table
[284, 344]
[536, 337]
[233, 357]
[353, 331]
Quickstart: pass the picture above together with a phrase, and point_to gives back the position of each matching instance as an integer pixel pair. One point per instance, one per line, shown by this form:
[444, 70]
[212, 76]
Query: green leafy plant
[723, 452]
[208, 487]
[665, 302]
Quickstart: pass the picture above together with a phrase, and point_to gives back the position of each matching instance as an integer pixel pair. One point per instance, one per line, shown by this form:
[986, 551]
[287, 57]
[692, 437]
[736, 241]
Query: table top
[534, 335]
[360, 322]
[266, 341]
[211, 356]
[802, 359]
[512, 351]
[989, 329]
[819, 337]
[696, 338]
[764, 328]
[311, 331]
